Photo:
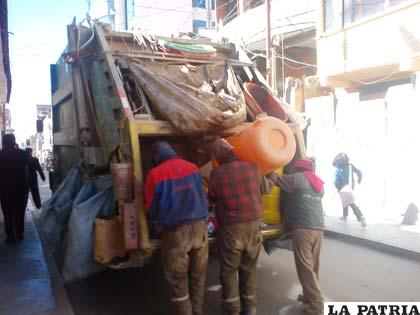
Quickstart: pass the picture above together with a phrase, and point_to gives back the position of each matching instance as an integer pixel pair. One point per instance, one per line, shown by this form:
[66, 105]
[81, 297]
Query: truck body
[105, 114]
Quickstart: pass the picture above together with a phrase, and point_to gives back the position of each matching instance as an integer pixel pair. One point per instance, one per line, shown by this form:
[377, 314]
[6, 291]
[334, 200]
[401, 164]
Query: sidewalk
[29, 283]
[393, 238]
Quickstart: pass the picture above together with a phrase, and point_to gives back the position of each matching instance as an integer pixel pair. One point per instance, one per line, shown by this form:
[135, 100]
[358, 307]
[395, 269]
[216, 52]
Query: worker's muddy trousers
[239, 247]
[307, 248]
[185, 253]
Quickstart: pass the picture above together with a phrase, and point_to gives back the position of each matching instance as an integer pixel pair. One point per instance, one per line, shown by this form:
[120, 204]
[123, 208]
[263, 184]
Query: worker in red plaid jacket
[235, 187]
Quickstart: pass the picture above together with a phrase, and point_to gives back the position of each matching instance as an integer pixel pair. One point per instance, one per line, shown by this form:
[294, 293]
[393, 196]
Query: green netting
[190, 48]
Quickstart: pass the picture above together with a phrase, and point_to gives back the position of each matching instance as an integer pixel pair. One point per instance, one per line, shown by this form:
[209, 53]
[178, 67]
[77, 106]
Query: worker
[344, 182]
[304, 218]
[13, 188]
[235, 187]
[175, 199]
[33, 168]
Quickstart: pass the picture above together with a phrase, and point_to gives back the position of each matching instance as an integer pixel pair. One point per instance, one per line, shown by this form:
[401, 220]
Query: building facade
[41, 142]
[5, 76]
[365, 41]
[293, 28]
[162, 17]
[368, 52]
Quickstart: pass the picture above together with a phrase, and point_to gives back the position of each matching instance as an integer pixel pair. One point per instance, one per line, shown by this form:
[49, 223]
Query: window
[212, 4]
[249, 4]
[199, 4]
[197, 24]
[332, 15]
[227, 10]
[395, 2]
[357, 9]
[352, 10]
[130, 14]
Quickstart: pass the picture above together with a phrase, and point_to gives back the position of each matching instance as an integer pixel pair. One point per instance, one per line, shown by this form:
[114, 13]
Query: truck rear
[116, 93]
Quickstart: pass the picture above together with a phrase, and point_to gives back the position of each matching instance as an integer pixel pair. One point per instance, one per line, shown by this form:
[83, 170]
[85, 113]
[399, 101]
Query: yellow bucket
[271, 204]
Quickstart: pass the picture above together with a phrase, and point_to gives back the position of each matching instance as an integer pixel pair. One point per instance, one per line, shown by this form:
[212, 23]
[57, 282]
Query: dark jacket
[174, 191]
[303, 206]
[13, 171]
[33, 167]
[344, 175]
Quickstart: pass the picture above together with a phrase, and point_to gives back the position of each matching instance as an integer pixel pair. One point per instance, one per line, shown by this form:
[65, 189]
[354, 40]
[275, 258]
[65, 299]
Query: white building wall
[163, 17]
[110, 11]
[286, 16]
[47, 135]
[381, 138]
[3, 80]
[100, 9]
[205, 14]
[120, 20]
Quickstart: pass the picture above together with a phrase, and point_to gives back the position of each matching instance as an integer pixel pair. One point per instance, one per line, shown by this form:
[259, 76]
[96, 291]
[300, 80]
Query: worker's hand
[206, 190]
[272, 176]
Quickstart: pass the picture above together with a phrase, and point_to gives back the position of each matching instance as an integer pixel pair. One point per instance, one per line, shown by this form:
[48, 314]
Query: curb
[379, 246]
[63, 305]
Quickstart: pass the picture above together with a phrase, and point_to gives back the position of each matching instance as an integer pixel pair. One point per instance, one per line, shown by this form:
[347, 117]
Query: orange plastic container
[267, 142]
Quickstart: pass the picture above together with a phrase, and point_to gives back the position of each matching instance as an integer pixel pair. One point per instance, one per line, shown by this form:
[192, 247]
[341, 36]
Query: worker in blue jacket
[176, 200]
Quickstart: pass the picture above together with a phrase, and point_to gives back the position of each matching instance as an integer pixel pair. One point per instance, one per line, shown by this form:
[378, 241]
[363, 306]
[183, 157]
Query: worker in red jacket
[175, 199]
[236, 187]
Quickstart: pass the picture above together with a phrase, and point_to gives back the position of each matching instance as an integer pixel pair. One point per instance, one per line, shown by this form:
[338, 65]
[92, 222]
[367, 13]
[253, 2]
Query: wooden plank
[179, 58]
[150, 128]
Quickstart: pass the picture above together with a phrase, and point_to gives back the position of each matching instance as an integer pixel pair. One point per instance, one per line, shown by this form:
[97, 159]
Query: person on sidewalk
[175, 199]
[303, 216]
[344, 182]
[235, 187]
[33, 168]
[13, 188]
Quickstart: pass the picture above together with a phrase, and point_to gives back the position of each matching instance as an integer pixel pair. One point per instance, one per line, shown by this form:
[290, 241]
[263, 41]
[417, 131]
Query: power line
[36, 45]
[189, 17]
[171, 9]
[372, 82]
[295, 61]
[148, 7]
[280, 57]
[165, 9]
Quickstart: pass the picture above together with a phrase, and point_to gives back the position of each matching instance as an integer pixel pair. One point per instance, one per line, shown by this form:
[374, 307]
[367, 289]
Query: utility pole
[208, 14]
[268, 46]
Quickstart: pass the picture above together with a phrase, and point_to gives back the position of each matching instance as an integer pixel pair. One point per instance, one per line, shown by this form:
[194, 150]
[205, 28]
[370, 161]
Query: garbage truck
[116, 93]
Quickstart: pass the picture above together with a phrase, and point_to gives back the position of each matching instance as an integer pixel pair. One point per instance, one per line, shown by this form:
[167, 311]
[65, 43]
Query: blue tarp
[68, 222]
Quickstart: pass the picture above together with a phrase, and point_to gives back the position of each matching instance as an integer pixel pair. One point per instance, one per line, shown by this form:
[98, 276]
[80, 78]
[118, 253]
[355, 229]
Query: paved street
[348, 273]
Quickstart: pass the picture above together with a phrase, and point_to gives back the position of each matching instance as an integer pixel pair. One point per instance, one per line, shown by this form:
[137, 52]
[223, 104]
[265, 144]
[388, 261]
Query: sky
[39, 36]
